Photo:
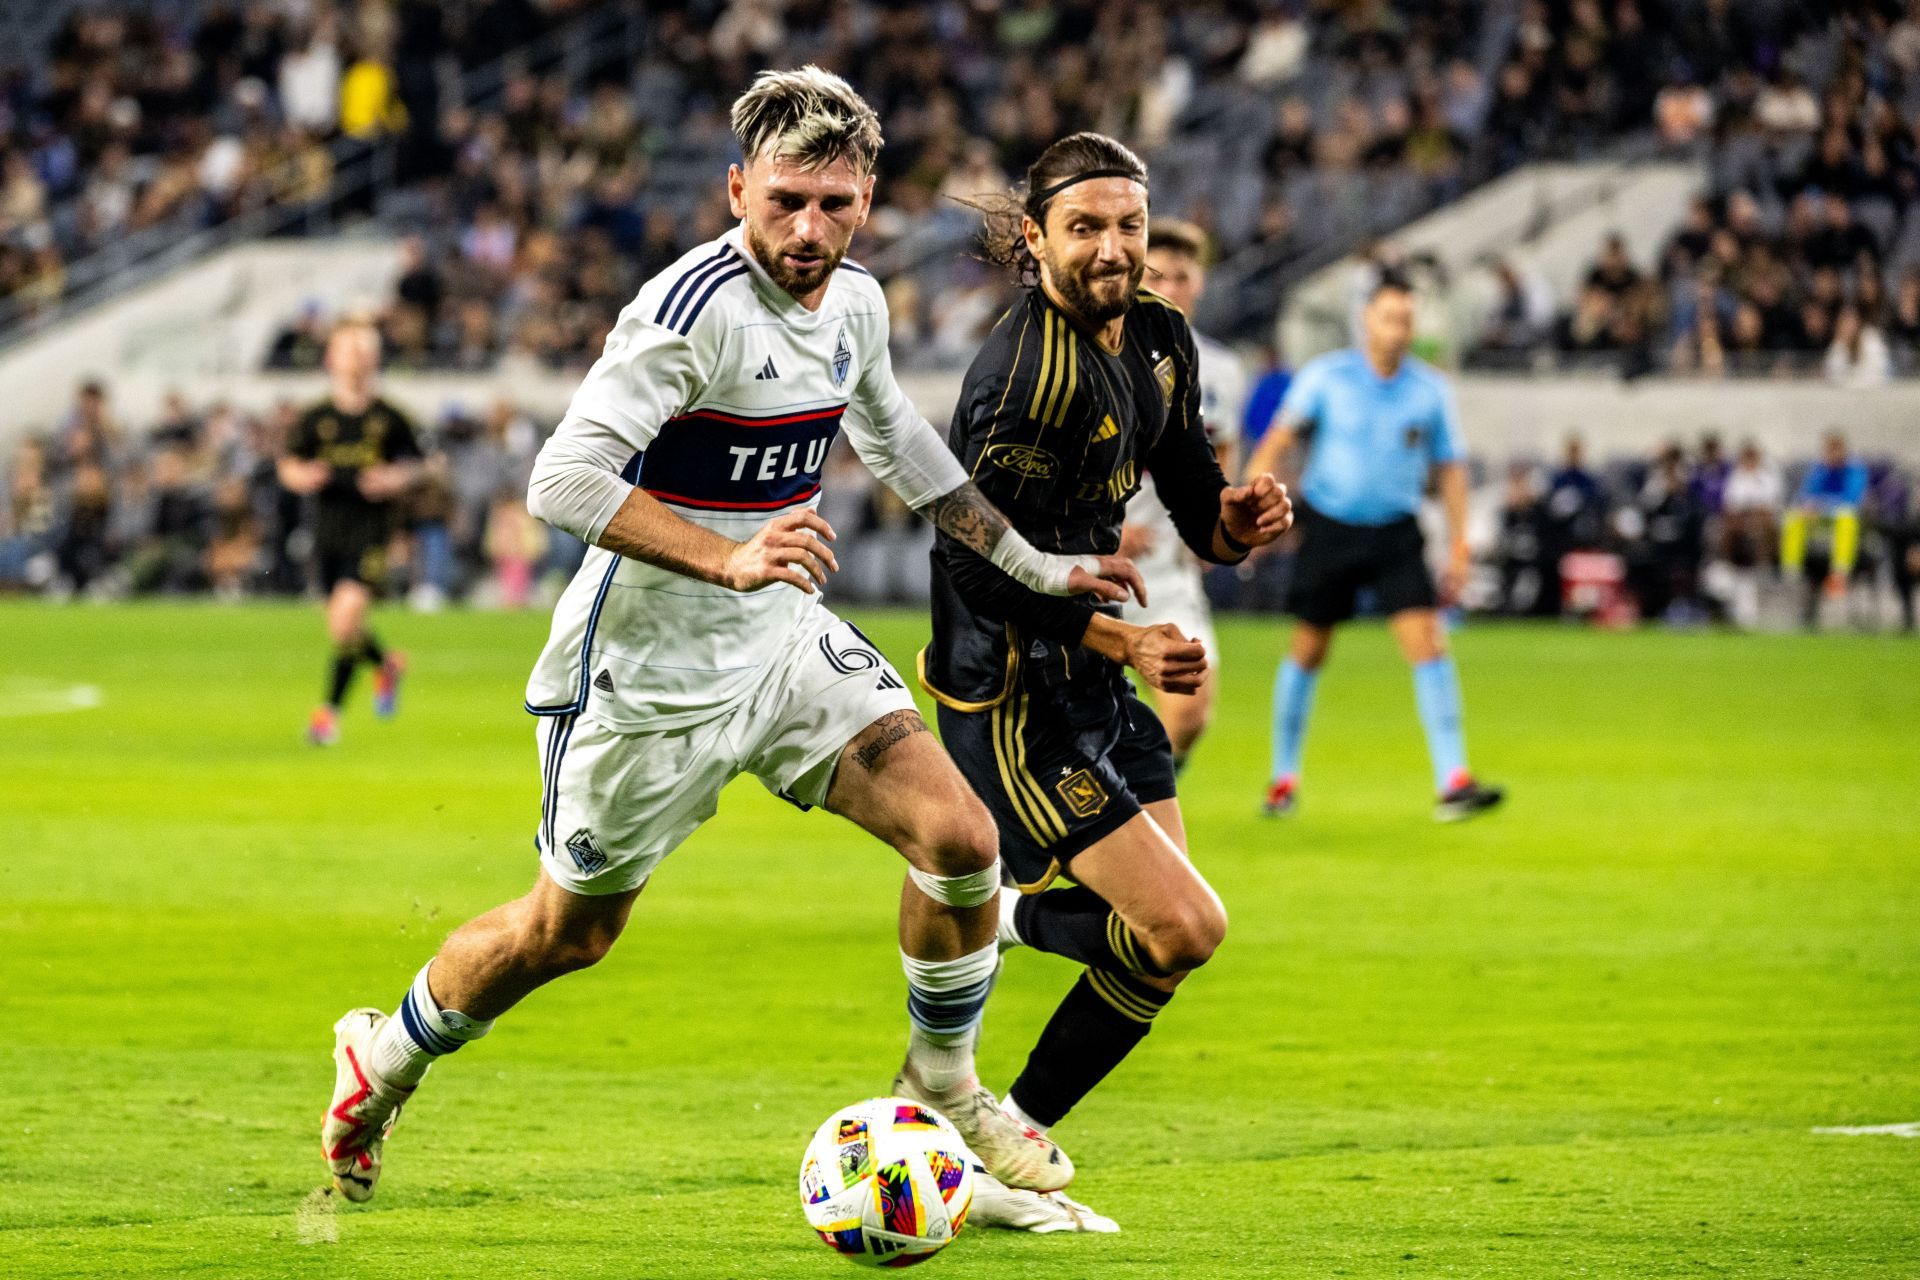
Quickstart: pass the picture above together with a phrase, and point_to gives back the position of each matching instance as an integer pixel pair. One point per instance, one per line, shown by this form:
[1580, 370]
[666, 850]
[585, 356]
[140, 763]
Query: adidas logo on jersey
[1108, 429]
[767, 372]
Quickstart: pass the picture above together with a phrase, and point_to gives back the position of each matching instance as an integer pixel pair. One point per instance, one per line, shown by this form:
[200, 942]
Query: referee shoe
[1467, 800]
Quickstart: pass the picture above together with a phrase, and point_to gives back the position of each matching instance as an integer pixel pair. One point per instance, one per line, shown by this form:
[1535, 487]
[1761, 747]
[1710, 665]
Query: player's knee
[1187, 938]
[958, 842]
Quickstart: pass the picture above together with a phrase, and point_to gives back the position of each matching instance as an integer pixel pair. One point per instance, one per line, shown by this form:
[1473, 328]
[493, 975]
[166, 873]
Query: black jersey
[1057, 431]
[347, 443]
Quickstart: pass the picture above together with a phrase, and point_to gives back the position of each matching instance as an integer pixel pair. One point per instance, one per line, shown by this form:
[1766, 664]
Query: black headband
[1045, 194]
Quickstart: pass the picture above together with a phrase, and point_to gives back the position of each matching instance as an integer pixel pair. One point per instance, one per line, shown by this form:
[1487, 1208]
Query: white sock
[1012, 1108]
[945, 1001]
[418, 1032]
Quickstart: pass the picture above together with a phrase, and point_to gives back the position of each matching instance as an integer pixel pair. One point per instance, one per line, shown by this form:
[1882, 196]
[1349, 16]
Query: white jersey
[1223, 401]
[727, 394]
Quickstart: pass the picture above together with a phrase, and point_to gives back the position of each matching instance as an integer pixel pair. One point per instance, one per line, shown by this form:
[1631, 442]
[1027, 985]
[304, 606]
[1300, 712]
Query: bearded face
[1093, 252]
[799, 221]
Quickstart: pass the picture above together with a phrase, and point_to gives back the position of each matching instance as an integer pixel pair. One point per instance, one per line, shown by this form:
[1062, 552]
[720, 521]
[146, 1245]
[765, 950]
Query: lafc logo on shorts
[1082, 792]
[1024, 460]
[585, 852]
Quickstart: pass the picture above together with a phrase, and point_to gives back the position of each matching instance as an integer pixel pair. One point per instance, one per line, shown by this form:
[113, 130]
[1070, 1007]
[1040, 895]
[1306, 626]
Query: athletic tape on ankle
[959, 891]
[434, 1029]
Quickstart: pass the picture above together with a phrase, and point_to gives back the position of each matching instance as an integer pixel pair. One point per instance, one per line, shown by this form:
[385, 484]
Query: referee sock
[1436, 686]
[1102, 1018]
[1293, 690]
[418, 1032]
[370, 648]
[1078, 923]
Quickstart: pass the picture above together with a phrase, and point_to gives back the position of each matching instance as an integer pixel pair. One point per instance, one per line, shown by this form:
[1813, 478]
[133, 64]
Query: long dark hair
[1074, 157]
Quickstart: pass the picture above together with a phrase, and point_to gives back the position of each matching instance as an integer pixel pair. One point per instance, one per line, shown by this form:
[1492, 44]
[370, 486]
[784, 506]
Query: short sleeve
[1305, 400]
[1447, 443]
[305, 441]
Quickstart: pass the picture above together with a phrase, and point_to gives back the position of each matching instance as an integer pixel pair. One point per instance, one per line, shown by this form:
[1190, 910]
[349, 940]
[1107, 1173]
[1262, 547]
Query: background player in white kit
[692, 646]
[1177, 256]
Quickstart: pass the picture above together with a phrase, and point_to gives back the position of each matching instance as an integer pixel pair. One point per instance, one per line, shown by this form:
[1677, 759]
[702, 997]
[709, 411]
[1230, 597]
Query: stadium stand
[531, 163]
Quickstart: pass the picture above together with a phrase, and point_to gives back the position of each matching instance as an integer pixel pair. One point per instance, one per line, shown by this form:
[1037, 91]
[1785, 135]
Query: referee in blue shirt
[1376, 423]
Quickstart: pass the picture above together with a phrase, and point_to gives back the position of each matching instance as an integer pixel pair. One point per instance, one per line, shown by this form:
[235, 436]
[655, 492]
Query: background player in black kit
[1086, 381]
[357, 455]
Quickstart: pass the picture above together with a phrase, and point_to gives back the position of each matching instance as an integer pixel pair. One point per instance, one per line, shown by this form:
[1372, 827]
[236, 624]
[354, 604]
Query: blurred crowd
[1688, 537]
[143, 116]
[1805, 255]
[191, 504]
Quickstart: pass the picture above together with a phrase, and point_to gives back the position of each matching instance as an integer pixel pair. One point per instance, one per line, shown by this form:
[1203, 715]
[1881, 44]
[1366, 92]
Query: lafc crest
[1082, 792]
[1164, 372]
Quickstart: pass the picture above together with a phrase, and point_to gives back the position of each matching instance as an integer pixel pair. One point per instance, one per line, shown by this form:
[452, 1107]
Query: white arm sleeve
[898, 445]
[647, 374]
[577, 485]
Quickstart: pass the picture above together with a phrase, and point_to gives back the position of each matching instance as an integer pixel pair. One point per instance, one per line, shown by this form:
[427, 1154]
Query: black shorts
[362, 560]
[1337, 559]
[1058, 772]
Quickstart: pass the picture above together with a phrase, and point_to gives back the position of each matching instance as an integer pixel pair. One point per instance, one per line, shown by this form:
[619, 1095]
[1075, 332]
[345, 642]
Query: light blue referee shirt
[1374, 439]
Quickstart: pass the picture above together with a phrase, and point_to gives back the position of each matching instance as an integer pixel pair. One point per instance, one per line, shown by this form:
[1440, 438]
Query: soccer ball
[887, 1182]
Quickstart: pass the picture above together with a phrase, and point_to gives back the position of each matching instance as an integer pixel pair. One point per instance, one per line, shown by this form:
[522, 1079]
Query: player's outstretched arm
[969, 517]
[1165, 658]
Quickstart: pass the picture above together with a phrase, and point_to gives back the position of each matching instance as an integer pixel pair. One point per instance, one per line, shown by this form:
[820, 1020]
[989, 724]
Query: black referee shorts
[1337, 560]
[1059, 773]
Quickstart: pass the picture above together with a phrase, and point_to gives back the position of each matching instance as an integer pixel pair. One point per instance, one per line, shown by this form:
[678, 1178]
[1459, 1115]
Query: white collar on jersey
[782, 303]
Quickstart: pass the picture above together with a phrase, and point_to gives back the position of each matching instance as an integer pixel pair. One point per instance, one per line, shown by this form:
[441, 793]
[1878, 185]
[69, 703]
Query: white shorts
[614, 804]
[1176, 596]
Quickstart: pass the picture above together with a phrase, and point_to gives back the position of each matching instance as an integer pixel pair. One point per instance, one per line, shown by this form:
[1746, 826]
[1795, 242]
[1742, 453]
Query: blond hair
[809, 117]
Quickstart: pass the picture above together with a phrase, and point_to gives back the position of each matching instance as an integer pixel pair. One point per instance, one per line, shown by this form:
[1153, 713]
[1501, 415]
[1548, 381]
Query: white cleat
[995, 1204]
[1006, 934]
[1018, 1156]
[363, 1109]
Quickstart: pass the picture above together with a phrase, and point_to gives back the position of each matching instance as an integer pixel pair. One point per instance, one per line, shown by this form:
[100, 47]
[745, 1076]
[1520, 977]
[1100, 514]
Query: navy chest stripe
[741, 462]
[660, 316]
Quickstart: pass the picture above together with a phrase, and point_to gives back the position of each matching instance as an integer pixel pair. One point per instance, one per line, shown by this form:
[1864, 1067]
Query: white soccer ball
[887, 1182]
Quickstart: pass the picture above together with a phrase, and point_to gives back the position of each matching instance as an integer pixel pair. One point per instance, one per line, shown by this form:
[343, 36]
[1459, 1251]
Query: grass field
[1589, 1036]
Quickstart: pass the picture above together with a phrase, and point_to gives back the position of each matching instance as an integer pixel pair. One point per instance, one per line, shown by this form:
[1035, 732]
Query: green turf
[1590, 1035]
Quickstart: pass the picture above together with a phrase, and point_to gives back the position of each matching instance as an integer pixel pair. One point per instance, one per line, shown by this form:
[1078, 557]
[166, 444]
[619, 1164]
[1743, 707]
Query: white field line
[1909, 1129]
[21, 697]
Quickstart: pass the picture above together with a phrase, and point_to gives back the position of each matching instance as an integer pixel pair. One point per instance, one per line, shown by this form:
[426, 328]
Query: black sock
[343, 668]
[1097, 1025]
[370, 648]
[1077, 923]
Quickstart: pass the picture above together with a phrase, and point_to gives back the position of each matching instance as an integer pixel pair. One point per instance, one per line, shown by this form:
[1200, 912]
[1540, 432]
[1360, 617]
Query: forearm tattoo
[895, 726]
[966, 516]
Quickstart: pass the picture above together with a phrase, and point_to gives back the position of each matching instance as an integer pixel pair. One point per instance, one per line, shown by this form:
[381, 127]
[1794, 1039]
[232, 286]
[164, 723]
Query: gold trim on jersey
[1059, 379]
[1148, 295]
[952, 703]
[1052, 873]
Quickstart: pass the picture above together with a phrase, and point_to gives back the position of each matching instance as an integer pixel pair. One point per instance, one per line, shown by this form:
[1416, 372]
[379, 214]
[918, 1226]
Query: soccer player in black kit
[1086, 382]
[357, 455]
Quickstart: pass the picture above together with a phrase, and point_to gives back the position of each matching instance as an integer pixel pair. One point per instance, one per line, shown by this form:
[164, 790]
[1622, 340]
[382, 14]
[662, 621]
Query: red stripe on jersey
[737, 420]
[680, 500]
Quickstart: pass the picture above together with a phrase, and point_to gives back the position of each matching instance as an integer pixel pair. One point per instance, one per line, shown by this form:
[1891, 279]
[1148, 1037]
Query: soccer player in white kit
[693, 645]
[1177, 256]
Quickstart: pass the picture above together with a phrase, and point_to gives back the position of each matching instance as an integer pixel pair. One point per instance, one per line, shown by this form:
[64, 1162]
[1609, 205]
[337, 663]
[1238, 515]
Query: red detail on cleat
[1458, 780]
[339, 1112]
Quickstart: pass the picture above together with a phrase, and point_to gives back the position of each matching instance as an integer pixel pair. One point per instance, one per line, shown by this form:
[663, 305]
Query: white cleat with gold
[1017, 1155]
[995, 1204]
